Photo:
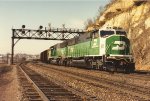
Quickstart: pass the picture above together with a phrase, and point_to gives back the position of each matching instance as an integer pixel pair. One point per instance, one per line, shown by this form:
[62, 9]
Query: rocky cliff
[134, 17]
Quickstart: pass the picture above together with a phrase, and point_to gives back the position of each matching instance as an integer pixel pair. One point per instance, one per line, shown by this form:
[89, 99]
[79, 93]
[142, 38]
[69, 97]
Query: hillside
[134, 17]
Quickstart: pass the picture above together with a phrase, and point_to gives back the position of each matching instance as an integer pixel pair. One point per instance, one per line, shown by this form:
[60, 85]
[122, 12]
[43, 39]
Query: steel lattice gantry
[50, 34]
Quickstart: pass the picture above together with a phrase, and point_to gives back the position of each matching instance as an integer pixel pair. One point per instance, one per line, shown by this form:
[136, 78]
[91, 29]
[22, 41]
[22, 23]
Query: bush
[101, 23]
[109, 15]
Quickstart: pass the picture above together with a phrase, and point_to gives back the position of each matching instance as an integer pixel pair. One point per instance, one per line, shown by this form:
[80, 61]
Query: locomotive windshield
[120, 32]
[106, 33]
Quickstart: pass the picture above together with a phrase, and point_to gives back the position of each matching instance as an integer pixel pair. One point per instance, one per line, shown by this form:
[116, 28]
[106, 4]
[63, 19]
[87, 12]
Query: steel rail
[42, 95]
[110, 84]
[55, 89]
[138, 76]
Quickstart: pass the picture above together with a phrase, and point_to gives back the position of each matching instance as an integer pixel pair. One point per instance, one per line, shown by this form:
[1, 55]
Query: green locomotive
[104, 49]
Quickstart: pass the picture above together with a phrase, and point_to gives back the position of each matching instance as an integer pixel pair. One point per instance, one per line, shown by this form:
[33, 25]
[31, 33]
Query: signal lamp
[40, 27]
[23, 32]
[23, 26]
[40, 32]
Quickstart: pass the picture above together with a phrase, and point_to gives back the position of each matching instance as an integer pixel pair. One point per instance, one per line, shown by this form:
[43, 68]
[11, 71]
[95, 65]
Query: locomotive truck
[104, 49]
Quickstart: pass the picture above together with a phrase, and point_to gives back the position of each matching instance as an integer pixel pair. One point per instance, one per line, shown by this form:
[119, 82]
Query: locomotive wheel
[132, 70]
[127, 70]
[68, 62]
[101, 68]
[99, 65]
[90, 64]
[57, 62]
[64, 62]
[60, 62]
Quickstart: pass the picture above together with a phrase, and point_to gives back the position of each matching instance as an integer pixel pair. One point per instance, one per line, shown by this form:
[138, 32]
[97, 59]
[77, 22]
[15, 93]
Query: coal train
[104, 49]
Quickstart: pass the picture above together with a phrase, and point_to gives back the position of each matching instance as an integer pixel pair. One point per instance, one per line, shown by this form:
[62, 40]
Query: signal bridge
[43, 34]
[50, 34]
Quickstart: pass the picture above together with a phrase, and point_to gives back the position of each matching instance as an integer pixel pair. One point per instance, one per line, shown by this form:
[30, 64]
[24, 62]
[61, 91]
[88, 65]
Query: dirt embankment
[9, 89]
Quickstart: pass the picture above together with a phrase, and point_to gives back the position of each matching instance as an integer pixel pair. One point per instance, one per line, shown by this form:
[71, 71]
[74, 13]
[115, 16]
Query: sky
[33, 13]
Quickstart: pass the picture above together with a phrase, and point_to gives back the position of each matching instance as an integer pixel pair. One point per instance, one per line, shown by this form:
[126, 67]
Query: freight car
[45, 55]
[103, 49]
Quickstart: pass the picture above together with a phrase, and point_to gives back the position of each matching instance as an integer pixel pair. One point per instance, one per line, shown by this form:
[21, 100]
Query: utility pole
[12, 48]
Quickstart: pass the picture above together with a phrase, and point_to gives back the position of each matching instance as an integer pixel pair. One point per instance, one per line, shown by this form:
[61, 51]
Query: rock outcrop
[134, 17]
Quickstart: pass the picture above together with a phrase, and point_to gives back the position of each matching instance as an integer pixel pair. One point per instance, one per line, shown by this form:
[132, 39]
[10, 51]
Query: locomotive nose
[118, 45]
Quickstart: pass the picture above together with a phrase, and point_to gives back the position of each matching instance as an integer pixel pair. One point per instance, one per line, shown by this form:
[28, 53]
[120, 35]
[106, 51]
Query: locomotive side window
[121, 33]
[106, 33]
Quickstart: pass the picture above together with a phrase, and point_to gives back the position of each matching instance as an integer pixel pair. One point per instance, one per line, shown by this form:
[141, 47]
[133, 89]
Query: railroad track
[29, 92]
[145, 76]
[142, 92]
[38, 88]
[136, 75]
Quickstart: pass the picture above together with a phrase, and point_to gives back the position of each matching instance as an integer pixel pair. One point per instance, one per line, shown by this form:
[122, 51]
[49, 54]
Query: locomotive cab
[112, 31]
[114, 42]
[115, 47]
